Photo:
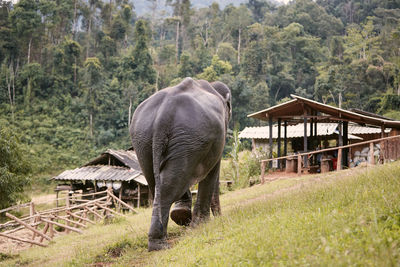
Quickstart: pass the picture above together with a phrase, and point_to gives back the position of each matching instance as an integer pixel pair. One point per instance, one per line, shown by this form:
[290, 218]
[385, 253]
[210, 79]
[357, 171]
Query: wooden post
[32, 212]
[270, 140]
[120, 196]
[299, 165]
[371, 154]
[51, 232]
[46, 228]
[262, 171]
[345, 142]
[67, 204]
[138, 202]
[57, 198]
[339, 160]
[305, 138]
[279, 142]
[285, 139]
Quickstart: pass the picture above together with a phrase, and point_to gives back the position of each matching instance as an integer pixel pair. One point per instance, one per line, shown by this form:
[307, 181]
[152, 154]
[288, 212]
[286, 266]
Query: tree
[14, 169]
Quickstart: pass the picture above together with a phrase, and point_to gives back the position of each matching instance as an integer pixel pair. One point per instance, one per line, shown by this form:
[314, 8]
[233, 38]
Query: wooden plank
[23, 240]
[123, 203]
[27, 225]
[63, 226]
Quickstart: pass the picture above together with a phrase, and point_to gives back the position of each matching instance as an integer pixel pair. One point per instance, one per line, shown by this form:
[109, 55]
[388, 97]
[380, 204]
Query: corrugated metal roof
[103, 173]
[295, 131]
[126, 157]
[294, 110]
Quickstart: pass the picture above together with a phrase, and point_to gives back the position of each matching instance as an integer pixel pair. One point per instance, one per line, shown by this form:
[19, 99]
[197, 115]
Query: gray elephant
[179, 135]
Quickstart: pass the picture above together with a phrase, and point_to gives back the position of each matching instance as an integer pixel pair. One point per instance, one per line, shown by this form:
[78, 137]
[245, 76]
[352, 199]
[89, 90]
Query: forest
[73, 71]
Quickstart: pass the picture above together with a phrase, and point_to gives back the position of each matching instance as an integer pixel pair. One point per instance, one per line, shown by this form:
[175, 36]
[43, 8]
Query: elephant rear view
[179, 134]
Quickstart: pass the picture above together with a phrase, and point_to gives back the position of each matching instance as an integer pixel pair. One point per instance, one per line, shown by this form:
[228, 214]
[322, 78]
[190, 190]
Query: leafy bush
[14, 169]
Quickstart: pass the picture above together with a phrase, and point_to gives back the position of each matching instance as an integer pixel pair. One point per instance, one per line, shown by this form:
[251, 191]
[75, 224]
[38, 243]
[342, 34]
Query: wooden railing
[70, 217]
[339, 159]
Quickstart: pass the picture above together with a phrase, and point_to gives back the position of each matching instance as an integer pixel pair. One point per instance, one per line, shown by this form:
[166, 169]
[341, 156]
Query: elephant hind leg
[201, 211]
[181, 214]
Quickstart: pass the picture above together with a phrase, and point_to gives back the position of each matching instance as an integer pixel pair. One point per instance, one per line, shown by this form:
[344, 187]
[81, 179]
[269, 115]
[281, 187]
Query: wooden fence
[301, 157]
[74, 216]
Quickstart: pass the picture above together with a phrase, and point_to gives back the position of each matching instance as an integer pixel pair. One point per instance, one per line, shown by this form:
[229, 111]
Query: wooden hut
[116, 169]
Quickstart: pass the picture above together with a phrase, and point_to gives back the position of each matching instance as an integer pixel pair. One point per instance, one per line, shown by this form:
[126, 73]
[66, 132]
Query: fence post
[371, 154]
[262, 171]
[299, 164]
[339, 160]
[32, 211]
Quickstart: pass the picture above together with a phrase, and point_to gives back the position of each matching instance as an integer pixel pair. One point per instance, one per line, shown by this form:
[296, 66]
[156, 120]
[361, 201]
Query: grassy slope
[350, 217]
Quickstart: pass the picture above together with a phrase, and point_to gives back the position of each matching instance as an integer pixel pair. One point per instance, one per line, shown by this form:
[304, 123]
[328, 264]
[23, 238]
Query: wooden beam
[123, 203]
[22, 240]
[70, 221]
[94, 212]
[263, 164]
[63, 225]
[270, 140]
[336, 148]
[27, 225]
[371, 154]
[299, 164]
[279, 141]
[305, 138]
[339, 160]
[80, 218]
[110, 210]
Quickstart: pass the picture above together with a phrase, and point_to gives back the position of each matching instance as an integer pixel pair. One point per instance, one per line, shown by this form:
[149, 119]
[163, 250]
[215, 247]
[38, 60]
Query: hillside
[73, 72]
[347, 218]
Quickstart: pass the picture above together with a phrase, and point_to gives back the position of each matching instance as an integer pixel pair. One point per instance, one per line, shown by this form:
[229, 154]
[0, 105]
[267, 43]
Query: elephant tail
[158, 148]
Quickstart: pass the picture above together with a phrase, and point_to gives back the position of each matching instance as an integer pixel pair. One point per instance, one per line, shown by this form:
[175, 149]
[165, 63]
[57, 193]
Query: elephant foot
[181, 214]
[156, 244]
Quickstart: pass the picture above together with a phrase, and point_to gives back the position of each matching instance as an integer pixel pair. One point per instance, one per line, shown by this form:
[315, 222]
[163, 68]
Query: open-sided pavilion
[310, 113]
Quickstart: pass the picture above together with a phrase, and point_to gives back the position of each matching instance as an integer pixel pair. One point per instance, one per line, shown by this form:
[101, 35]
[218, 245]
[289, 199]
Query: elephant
[179, 134]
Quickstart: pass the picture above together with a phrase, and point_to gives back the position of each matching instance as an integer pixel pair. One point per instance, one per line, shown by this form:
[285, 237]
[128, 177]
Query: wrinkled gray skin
[179, 135]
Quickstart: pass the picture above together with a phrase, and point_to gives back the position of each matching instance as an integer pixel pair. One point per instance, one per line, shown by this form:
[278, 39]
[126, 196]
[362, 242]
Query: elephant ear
[224, 91]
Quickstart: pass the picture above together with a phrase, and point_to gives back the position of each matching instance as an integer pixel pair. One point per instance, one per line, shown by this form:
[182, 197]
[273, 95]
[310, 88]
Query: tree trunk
[8, 80]
[74, 26]
[129, 112]
[177, 42]
[29, 50]
[89, 33]
[91, 123]
[239, 40]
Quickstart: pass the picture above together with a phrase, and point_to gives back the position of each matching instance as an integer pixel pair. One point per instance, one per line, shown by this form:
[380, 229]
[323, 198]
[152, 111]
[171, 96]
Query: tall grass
[346, 218]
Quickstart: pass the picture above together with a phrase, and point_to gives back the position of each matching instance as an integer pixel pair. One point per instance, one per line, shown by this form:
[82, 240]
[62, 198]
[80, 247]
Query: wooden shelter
[117, 170]
[310, 113]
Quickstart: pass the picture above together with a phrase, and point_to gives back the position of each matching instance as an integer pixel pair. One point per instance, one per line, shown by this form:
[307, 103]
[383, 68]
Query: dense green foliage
[14, 169]
[72, 71]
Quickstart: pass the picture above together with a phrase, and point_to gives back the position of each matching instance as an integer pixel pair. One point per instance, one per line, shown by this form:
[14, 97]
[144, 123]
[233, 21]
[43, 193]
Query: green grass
[346, 218]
